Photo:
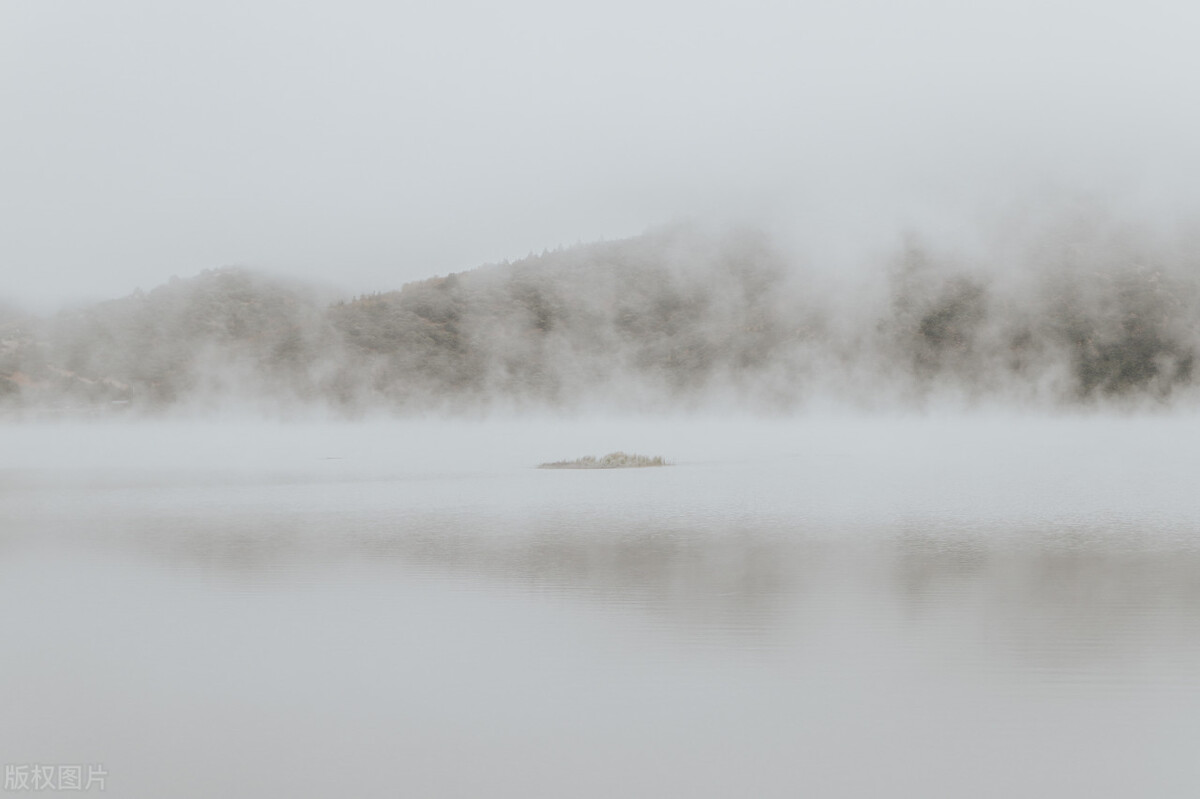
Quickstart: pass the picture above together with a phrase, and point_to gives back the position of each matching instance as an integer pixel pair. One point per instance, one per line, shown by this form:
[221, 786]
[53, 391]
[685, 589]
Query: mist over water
[895, 307]
[938, 596]
[922, 522]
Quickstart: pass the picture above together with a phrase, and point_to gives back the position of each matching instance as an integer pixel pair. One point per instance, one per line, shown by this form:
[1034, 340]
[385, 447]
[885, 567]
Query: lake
[985, 605]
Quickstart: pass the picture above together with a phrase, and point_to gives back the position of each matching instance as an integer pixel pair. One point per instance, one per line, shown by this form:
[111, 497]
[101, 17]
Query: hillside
[667, 314]
[673, 318]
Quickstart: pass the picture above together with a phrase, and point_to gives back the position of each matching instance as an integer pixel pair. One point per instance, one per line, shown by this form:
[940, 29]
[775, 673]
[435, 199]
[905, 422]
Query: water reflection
[1061, 595]
[309, 631]
[1058, 598]
[728, 578]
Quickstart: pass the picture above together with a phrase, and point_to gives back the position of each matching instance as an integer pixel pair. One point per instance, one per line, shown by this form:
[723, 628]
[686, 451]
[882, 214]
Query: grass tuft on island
[613, 460]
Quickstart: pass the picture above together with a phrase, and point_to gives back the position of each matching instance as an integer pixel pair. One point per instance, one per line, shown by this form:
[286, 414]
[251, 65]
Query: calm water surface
[982, 606]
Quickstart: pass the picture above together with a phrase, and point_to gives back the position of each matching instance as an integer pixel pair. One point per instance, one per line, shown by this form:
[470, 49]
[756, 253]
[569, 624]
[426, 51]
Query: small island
[613, 460]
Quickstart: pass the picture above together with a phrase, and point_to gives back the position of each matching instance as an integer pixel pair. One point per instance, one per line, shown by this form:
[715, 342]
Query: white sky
[370, 143]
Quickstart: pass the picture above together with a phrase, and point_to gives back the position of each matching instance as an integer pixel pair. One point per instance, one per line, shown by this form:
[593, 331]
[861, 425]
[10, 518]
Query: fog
[375, 144]
[1081, 309]
[294, 211]
[897, 302]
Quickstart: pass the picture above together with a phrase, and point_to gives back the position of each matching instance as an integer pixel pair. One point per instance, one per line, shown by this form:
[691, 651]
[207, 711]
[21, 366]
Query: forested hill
[673, 318]
[666, 315]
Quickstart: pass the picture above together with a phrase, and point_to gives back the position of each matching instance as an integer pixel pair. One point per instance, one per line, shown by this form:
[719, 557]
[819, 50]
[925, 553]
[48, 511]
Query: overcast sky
[371, 143]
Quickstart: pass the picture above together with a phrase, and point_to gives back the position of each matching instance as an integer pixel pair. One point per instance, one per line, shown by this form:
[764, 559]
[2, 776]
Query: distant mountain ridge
[672, 318]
